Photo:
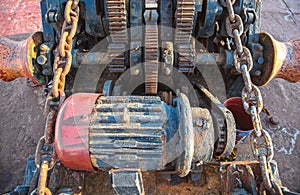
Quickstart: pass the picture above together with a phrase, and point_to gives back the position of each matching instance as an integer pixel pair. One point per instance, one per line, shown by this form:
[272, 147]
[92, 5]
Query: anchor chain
[260, 140]
[45, 156]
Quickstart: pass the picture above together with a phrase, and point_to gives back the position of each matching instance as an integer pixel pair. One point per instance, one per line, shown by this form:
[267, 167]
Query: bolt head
[199, 123]
[44, 47]
[45, 72]
[136, 72]
[257, 73]
[260, 60]
[168, 60]
[168, 71]
[41, 59]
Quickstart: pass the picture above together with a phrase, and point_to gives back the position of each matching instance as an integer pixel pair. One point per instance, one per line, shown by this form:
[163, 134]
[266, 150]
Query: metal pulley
[17, 59]
[281, 60]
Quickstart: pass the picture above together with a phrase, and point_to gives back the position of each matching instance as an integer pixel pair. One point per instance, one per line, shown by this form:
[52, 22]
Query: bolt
[257, 73]
[52, 16]
[45, 72]
[199, 123]
[258, 47]
[41, 59]
[84, 117]
[136, 72]
[168, 71]
[79, 42]
[274, 120]
[137, 47]
[44, 48]
[168, 59]
[260, 60]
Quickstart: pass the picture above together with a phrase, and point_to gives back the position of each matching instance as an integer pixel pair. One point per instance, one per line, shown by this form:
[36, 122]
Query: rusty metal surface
[20, 17]
[185, 14]
[156, 183]
[281, 60]
[290, 69]
[224, 124]
[187, 134]
[117, 17]
[152, 53]
[65, 181]
[92, 58]
[17, 58]
[245, 177]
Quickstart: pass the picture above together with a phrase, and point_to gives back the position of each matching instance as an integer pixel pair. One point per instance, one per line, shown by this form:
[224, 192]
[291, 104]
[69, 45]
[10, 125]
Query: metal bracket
[127, 181]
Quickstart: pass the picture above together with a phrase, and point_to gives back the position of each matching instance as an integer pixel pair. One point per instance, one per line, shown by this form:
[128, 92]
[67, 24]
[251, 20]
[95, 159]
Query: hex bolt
[41, 59]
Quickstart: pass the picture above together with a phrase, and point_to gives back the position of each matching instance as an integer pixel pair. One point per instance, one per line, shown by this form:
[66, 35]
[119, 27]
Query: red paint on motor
[71, 131]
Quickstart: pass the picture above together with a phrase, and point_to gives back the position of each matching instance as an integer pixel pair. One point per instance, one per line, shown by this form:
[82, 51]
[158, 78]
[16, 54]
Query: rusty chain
[260, 140]
[63, 57]
[45, 156]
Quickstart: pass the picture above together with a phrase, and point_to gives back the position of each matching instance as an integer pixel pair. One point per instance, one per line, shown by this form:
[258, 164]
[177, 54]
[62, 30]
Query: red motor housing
[71, 131]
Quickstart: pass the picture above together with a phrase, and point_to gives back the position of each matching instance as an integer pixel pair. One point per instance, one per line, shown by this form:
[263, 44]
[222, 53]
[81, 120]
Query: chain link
[63, 58]
[260, 140]
[45, 156]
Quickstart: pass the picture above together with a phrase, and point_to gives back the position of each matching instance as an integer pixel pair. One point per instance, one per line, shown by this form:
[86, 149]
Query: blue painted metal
[143, 132]
[210, 10]
[30, 171]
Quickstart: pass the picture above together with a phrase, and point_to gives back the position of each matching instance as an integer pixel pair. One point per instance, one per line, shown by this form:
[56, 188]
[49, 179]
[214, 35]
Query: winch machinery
[136, 86]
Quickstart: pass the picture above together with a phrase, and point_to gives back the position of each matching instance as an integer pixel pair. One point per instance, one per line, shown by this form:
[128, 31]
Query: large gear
[151, 51]
[151, 58]
[117, 17]
[184, 29]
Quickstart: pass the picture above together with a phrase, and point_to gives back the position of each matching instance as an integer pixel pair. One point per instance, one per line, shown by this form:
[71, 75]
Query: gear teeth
[151, 59]
[117, 17]
[184, 29]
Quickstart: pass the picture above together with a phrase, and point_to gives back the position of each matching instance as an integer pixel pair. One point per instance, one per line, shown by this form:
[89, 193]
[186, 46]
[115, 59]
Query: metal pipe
[102, 58]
